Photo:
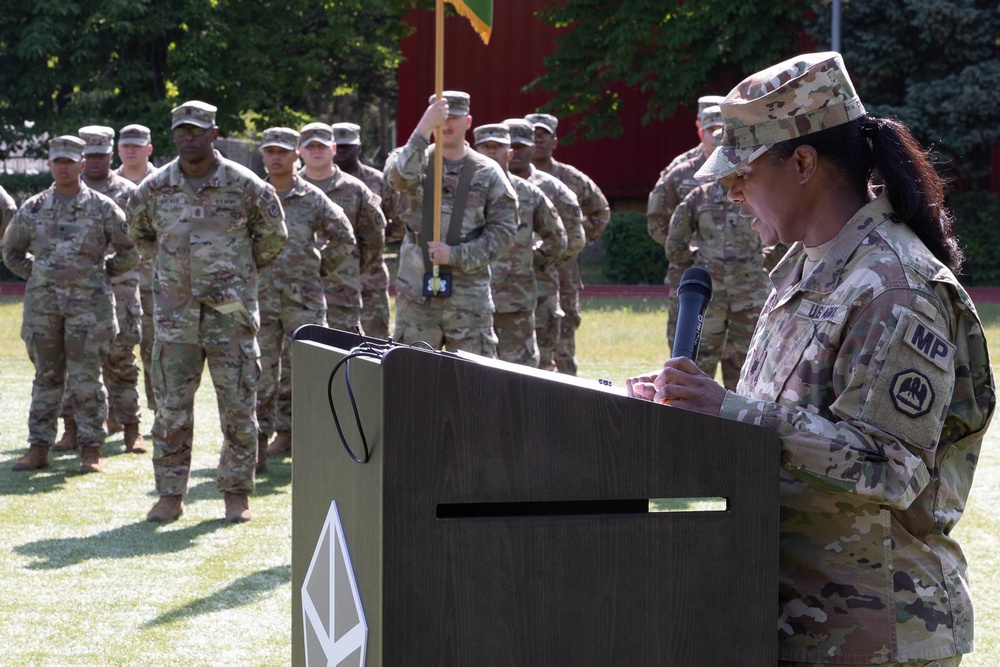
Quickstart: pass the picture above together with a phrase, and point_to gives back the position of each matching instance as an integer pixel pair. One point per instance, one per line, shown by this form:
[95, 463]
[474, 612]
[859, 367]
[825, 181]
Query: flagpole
[438, 94]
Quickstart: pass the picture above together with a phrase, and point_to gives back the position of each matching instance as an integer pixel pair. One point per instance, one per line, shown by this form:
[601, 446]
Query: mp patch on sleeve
[930, 343]
[912, 393]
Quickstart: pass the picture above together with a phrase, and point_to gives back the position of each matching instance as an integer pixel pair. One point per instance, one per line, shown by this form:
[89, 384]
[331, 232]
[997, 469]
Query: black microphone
[693, 295]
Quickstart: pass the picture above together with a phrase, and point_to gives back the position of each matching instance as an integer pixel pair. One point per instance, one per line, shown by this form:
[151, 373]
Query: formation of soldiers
[203, 262]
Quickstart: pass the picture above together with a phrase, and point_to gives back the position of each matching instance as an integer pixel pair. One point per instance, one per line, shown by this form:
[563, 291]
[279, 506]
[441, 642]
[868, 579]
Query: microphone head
[696, 279]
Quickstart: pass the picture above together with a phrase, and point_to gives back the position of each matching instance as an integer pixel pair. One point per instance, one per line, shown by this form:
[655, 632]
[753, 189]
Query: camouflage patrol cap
[100, 139]
[66, 146]
[497, 132]
[282, 137]
[320, 132]
[711, 117]
[521, 131]
[546, 121]
[348, 134]
[797, 97]
[135, 135]
[193, 112]
[458, 102]
[709, 101]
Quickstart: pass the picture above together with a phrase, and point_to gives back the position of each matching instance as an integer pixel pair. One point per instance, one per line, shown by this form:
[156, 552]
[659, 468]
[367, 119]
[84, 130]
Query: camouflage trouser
[274, 391]
[725, 337]
[953, 661]
[516, 335]
[121, 373]
[345, 318]
[375, 297]
[446, 323]
[569, 300]
[146, 345]
[67, 352]
[234, 363]
[547, 317]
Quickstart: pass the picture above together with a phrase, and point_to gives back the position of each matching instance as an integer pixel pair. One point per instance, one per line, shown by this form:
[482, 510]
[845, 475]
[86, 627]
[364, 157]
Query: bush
[22, 186]
[631, 256]
[977, 222]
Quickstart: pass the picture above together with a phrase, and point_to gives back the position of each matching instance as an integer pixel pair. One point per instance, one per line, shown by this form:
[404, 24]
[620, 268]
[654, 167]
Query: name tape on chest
[822, 312]
[930, 344]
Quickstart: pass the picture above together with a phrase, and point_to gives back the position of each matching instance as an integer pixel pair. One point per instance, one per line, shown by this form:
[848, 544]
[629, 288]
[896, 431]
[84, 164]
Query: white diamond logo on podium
[336, 631]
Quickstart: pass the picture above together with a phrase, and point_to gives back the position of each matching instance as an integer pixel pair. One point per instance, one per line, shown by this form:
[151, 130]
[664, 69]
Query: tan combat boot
[36, 459]
[237, 508]
[91, 459]
[167, 508]
[68, 442]
[113, 425]
[282, 444]
[134, 443]
[262, 465]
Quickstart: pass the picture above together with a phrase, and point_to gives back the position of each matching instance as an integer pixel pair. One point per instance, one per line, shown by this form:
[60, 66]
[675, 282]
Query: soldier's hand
[434, 116]
[440, 252]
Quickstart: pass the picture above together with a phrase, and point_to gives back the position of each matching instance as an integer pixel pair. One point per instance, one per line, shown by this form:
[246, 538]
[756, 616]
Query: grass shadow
[240, 593]
[129, 541]
[32, 482]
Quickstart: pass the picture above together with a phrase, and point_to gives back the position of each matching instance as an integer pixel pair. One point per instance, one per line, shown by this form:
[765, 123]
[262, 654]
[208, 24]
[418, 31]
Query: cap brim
[55, 155]
[279, 144]
[190, 120]
[97, 150]
[522, 142]
[543, 126]
[133, 142]
[352, 142]
[316, 140]
[725, 160]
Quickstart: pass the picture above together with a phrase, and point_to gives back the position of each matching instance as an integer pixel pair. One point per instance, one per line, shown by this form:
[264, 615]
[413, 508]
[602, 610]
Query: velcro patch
[930, 344]
[912, 393]
[822, 311]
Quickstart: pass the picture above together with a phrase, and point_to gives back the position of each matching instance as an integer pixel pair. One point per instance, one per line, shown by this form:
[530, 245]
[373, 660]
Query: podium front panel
[512, 527]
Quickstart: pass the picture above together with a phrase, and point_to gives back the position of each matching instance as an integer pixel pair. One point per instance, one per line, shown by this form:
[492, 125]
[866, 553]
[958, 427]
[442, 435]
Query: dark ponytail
[881, 152]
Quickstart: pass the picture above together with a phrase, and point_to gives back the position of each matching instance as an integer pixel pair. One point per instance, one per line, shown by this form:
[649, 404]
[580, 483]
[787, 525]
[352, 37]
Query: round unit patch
[912, 393]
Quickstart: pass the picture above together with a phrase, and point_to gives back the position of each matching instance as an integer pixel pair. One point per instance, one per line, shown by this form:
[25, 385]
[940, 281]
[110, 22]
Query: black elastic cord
[365, 351]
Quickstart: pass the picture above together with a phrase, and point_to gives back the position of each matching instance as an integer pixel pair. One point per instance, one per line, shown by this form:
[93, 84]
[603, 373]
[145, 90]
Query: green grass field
[86, 581]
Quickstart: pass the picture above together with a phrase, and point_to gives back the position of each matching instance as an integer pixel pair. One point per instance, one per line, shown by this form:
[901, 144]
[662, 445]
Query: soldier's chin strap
[437, 281]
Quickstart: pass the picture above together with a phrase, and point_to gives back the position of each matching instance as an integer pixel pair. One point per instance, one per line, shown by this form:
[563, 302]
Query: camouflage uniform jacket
[206, 246]
[874, 371]
[489, 222]
[363, 209]
[707, 231]
[669, 191]
[568, 207]
[119, 188]
[8, 207]
[689, 154]
[593, 203]
[513, 281]
[69, 247]
[375, 180]
[320, 239]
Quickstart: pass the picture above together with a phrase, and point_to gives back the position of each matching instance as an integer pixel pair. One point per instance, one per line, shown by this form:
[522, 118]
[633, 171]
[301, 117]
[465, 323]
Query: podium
[506, 516]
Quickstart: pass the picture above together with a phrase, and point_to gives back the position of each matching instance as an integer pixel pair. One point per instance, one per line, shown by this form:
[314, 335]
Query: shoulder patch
[930, 344]
[912, 393]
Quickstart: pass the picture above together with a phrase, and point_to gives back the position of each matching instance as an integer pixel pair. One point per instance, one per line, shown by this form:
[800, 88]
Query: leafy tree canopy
[932, 63]
[77, 62]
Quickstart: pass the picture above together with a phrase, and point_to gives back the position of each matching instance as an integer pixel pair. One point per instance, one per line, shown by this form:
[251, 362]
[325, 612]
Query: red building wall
[626, 168]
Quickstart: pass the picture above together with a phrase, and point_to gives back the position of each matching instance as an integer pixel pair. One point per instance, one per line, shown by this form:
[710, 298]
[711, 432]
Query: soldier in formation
[208, 225]
[68, 242]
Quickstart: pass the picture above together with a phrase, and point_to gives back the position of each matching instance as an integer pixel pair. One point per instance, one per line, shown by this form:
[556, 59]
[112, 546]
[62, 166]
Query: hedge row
[633, 258]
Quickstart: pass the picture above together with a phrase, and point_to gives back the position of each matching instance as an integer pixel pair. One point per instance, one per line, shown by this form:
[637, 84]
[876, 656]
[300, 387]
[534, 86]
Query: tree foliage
[934, 65]
[675, 51]
[78, 62]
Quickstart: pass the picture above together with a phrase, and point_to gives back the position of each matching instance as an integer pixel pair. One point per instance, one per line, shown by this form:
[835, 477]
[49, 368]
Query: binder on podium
[508, 516]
